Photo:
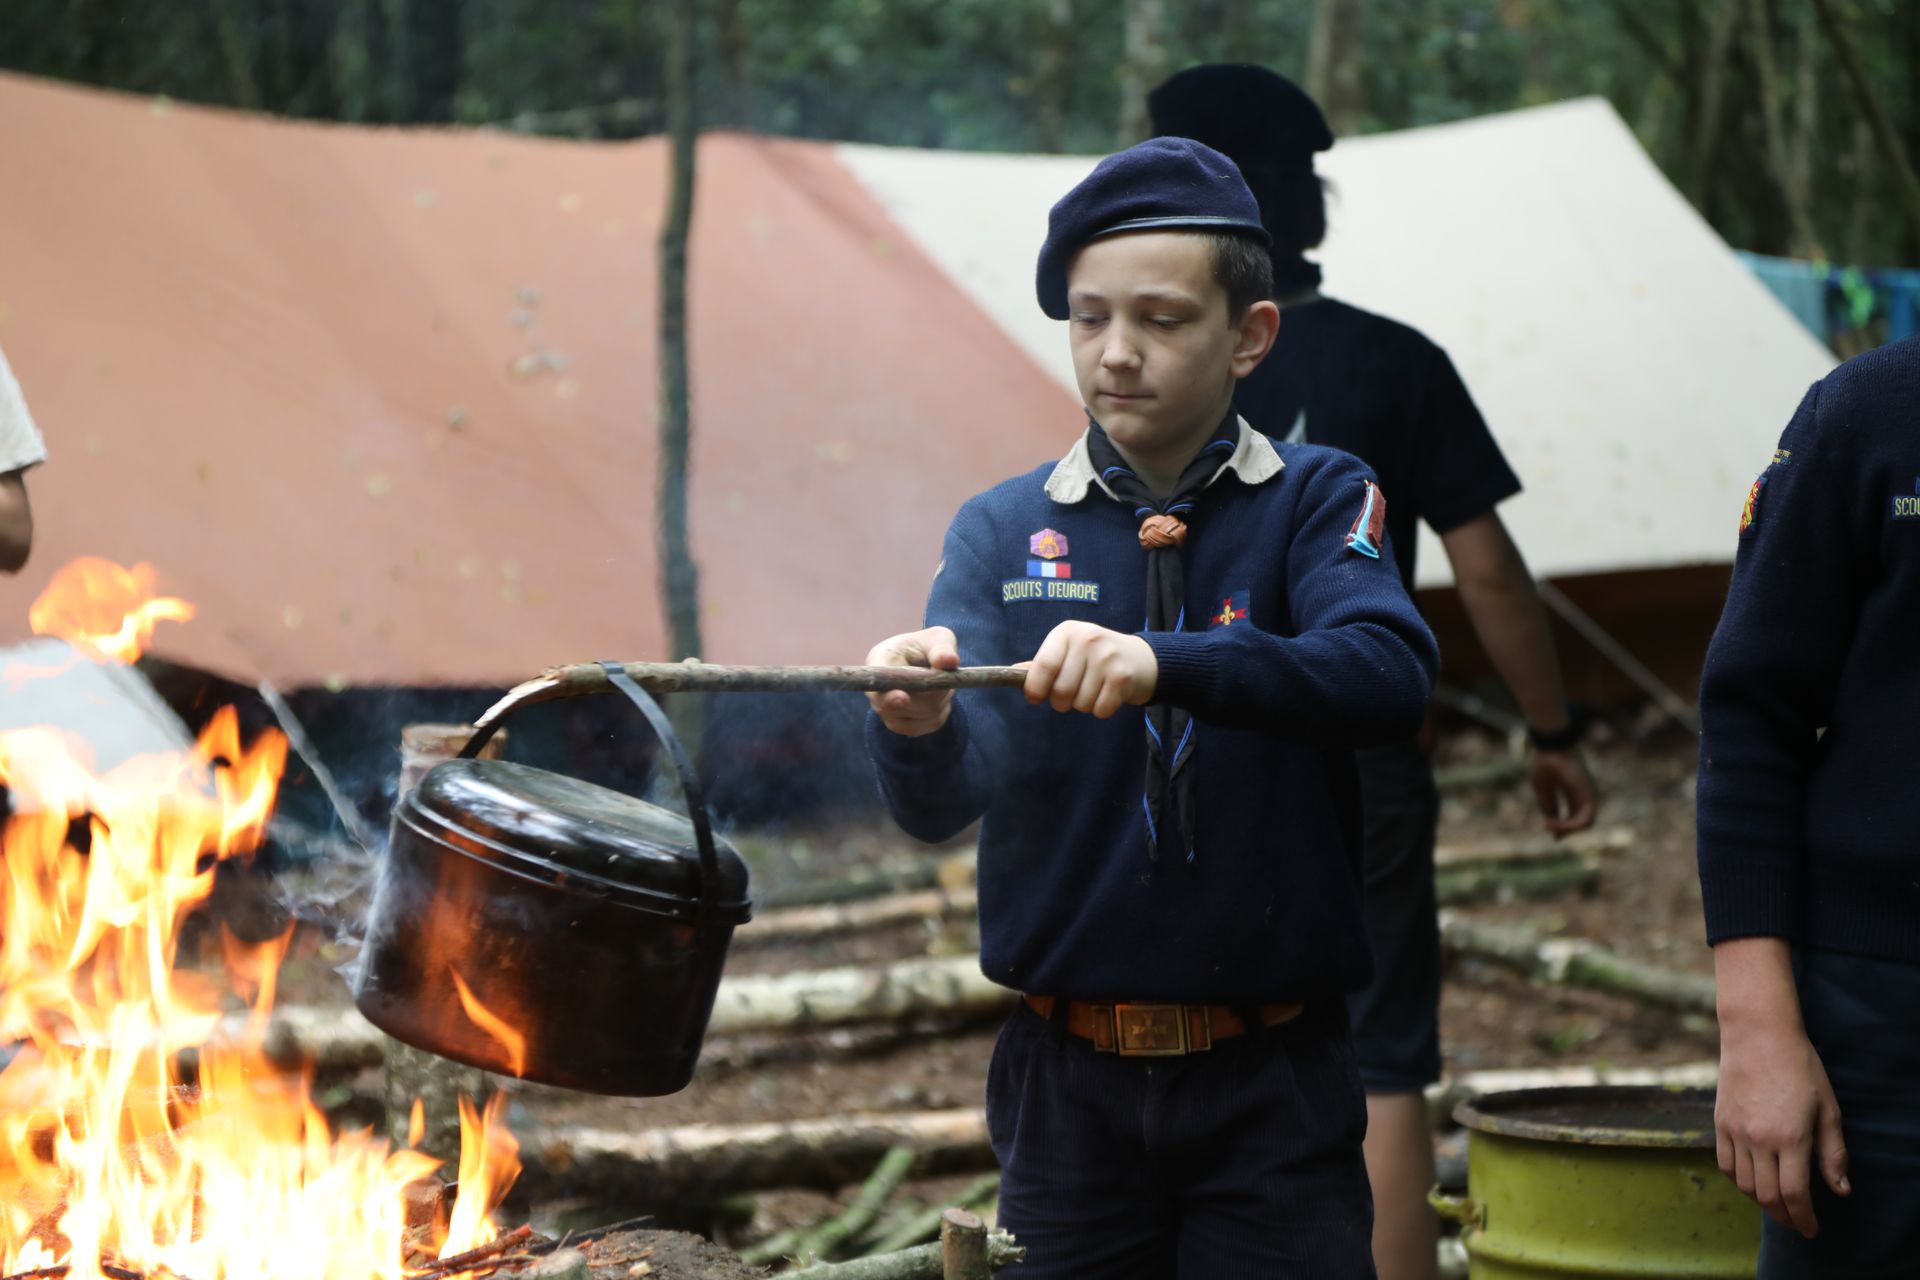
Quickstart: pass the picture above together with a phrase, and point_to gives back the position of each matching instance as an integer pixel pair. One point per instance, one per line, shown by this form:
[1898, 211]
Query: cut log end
[963, 1246]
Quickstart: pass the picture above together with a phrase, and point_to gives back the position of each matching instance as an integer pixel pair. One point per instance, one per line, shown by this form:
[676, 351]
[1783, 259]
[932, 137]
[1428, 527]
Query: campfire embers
[107, 1168]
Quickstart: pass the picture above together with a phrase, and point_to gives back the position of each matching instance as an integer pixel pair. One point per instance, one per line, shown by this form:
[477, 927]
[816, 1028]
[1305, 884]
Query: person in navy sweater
[1169, 844]
[1809, 861]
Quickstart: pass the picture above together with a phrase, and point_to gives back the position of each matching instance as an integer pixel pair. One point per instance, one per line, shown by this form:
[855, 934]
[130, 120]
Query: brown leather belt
[1157, 1030]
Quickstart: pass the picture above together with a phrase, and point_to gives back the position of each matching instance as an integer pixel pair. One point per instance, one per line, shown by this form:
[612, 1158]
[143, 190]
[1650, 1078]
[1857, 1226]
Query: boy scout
[1169, 871]
[1809, 867]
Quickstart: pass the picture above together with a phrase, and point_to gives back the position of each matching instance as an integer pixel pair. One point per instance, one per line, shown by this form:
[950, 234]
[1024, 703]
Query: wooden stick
[923, 1225]
[922, 1263]
[65, 1268]
[887, 1177]
[705, 677]
[581, 1239]
[464, 1261]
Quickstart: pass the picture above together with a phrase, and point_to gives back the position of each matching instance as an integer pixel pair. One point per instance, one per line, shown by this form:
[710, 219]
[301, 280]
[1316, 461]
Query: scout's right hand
[1776, 1122]
[914, 715]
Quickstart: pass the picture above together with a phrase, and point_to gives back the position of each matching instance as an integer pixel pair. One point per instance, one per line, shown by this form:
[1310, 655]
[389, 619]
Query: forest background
[1792, 125]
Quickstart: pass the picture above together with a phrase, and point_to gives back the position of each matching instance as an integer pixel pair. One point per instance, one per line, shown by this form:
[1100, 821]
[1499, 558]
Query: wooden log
[906, 874]
[584, 678]
[705, 1162]
[963, 1246]
[1533, 848]
[1497, 772]
[1577, 962]
[927, 1262]
[798, 924]
[944, 985]
[949, 987]
[1460, 885]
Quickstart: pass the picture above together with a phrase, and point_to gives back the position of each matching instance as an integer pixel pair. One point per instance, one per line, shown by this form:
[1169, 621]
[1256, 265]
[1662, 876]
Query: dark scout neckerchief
[1163, 532]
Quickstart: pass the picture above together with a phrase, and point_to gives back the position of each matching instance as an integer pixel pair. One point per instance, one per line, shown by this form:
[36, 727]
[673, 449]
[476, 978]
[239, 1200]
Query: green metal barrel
[1600, 1181]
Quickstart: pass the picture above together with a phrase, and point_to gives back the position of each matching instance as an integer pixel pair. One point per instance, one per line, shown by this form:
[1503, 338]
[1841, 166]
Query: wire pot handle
[616, 678]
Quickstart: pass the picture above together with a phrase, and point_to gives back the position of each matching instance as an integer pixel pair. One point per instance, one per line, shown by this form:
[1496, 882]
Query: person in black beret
[1379, 389]
[1169, 850]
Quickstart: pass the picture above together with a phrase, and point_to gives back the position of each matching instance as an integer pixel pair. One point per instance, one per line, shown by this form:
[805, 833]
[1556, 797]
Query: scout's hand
[1564, 790]
[914, 715]
[1776, 1122]
[1082, 667]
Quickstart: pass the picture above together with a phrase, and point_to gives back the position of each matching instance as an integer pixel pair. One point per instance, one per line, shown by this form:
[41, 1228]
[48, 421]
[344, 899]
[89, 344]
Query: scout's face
[1155, 351]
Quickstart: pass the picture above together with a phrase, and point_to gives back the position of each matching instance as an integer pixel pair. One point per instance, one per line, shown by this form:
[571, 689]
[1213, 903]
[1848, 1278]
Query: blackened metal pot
[539, 926]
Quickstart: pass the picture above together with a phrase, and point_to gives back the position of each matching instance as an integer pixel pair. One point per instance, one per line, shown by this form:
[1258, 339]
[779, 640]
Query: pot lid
[574, 834]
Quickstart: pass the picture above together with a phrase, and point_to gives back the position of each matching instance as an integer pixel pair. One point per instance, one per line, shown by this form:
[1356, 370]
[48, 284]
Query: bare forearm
[1753, 979]
[1504, 608]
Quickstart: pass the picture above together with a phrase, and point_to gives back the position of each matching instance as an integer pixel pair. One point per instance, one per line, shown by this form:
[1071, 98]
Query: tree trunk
[1795, 197]
[734, 63]
[679, 576]
[413, 1076]
[237, 52]
[1143, 64]
[1708, 92]
[704, 1162]
[351, 62]
[1333, 62]
[400, 79]
[1055, 75]
[1892, 154]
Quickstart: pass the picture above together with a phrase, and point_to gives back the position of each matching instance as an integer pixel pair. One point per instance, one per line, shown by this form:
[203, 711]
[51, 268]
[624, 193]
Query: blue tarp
[1831, 300]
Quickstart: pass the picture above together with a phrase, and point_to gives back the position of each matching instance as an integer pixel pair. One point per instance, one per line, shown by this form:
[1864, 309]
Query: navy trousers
[1863, 1016]
[1242, 1161]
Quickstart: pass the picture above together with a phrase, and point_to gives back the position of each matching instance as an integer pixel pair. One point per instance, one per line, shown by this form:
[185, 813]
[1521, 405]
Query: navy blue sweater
[1297, 648]
[1808, 835]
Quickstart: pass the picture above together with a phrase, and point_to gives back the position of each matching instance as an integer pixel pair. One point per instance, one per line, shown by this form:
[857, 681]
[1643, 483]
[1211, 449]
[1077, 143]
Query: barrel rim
[1488, 1114]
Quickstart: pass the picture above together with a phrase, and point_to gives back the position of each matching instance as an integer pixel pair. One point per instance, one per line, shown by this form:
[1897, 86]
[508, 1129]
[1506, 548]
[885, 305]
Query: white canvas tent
[1635, 372]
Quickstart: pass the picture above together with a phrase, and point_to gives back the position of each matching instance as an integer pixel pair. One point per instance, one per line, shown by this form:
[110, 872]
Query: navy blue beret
[1163, 183]
[1248, 112]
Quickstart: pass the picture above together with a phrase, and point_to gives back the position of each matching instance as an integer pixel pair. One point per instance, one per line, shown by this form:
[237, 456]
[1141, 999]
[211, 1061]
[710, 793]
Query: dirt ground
[1646, 905]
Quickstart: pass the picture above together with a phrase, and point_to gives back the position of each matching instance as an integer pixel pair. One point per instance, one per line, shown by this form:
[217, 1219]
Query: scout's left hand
[1563, 788]
[1082, 667]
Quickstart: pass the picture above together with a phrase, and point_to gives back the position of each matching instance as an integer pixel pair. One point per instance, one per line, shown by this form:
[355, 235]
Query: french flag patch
[1049, 569]
[1369, 531]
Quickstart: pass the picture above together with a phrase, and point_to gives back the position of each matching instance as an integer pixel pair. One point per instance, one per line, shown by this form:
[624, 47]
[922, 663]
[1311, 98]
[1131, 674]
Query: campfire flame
[102, 607]
[108, 1164]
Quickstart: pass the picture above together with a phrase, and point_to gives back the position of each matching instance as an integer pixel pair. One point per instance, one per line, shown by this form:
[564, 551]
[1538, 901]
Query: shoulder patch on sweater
[1370, 526]
[1750, 510]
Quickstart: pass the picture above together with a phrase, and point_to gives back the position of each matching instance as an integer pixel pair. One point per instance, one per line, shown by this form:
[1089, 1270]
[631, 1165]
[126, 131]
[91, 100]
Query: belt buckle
[1149, 1030]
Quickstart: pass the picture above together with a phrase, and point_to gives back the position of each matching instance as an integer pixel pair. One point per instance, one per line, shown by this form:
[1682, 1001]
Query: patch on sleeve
[1229, 611]
[1751, 510]
[1369, 529]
